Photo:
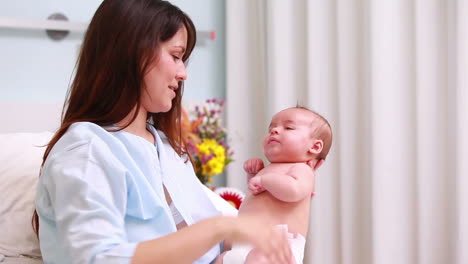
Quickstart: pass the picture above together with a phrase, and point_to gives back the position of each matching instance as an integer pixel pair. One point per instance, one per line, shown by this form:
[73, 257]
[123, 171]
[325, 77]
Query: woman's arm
[188, 244]
[184, 246]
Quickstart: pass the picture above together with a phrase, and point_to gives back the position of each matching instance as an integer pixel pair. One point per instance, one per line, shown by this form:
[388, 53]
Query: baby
[296, 145]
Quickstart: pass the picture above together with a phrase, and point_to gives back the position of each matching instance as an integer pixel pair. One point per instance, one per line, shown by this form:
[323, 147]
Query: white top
[178, 218]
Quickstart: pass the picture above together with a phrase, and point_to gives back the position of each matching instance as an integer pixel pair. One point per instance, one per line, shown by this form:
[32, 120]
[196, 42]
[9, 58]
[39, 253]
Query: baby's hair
[322, 131]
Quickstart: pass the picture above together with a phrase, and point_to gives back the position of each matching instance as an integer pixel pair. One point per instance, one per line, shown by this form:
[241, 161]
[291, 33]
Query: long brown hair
[117, 51]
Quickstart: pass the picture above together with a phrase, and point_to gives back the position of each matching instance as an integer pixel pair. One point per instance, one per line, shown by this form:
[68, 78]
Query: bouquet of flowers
[206, 139]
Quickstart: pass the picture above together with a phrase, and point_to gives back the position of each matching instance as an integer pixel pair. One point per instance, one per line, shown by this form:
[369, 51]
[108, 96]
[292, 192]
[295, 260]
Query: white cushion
[20, 161]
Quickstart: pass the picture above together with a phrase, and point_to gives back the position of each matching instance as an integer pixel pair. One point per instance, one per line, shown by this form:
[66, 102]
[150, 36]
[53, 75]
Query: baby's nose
[274, 131]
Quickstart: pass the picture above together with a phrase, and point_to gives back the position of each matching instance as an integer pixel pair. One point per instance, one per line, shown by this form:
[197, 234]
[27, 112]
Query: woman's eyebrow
[182, 48]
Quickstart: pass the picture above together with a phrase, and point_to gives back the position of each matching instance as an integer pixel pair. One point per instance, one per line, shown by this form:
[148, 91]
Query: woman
[116, 183]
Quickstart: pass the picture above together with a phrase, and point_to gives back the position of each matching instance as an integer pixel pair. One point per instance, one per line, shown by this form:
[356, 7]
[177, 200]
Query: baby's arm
[252, 167]
[295, 185]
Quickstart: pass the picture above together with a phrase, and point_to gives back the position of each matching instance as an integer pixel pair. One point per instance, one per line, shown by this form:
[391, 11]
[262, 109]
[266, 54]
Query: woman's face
[165, 73]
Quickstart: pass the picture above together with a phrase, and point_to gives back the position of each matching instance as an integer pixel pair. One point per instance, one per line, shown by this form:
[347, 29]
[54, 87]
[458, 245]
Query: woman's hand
[269, 240]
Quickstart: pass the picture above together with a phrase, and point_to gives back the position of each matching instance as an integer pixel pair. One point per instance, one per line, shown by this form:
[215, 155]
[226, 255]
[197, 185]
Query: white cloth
[178, 218]
[100, 193]
[238, 253]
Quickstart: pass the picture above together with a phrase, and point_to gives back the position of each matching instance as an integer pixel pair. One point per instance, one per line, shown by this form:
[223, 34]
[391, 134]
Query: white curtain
[392, 78]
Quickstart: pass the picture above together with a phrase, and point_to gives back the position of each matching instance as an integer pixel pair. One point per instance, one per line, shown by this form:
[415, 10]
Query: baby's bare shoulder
[289, 166]
[301, 166]
[300, 169]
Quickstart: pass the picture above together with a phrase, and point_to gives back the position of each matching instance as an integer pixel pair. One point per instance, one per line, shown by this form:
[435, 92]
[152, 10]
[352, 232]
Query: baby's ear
[316, 147]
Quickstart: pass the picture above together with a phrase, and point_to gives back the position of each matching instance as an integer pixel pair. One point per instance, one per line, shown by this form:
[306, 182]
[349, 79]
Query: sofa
[20, 161]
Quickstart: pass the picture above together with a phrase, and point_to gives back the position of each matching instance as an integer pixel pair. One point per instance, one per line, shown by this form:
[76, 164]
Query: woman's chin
[167, 108]
[161, 109]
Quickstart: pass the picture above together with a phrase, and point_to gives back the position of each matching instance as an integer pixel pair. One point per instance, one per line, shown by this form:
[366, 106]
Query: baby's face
[289, 136]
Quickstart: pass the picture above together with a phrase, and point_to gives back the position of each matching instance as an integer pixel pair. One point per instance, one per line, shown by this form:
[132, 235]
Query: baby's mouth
[273, 140]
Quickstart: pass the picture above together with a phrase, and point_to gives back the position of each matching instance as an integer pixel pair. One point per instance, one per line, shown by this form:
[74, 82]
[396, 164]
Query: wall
[35, 71]
[206, 69]
[35, 68]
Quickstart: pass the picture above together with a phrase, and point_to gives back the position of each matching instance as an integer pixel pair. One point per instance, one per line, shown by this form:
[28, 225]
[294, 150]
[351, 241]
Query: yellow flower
[205, 139]
[215, 165]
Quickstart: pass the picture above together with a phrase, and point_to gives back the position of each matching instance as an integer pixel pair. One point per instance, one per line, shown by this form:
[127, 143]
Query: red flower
[231, 195]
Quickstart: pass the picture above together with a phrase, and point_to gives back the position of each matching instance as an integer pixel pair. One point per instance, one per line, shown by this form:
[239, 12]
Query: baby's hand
[255, 185]
[253, 166]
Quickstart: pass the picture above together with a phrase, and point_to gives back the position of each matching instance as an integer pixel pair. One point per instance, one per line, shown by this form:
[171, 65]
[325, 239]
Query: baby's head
[297, 134]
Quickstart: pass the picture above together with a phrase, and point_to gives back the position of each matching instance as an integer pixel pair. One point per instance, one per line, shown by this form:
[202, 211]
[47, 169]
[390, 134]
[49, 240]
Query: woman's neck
[138, 126]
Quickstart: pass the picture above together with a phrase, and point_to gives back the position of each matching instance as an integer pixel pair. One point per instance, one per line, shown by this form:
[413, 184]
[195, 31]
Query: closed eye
[289, 128]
